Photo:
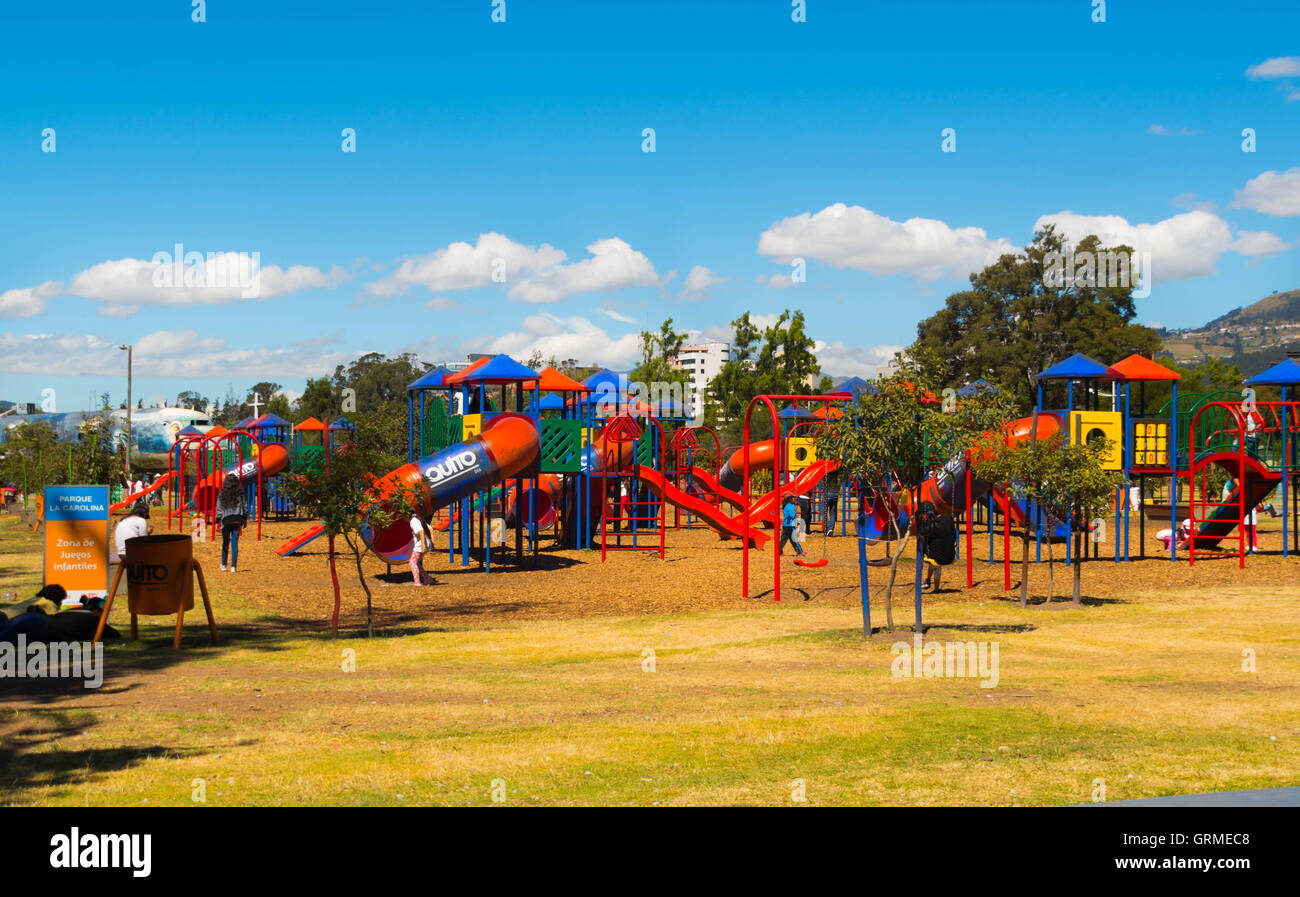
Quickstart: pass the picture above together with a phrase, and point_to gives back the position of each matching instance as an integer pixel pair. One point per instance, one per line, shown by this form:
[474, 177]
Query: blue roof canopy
[979, 386]
[432, 380]
[243, 424]
[856, 386]
[551, 402]
[1284, 373]
[268, 420]
[795, 411]
[342, 424]
[1079, 367]
[501, 369]
[605, 378]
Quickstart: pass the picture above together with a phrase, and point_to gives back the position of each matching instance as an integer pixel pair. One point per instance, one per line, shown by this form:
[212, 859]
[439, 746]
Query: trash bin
[159, 580]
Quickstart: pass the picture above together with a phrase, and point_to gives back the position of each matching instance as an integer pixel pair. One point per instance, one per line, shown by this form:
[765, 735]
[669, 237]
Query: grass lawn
[758, 705]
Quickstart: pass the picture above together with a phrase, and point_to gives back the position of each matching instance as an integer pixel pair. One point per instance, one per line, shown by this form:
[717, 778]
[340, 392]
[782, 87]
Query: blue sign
[76, 503]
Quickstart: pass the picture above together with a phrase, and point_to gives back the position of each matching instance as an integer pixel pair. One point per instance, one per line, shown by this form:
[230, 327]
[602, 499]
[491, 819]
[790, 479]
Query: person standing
[789, 514]
[830, 508]
[231, 514]
[421, 541]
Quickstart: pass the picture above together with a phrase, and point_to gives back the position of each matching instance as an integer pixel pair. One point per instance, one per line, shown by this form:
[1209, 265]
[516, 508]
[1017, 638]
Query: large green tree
[1017, 319]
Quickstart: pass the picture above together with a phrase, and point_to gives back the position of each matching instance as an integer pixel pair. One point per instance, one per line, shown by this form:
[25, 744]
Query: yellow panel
[1083, 424]
[471, 426]
[801, 452]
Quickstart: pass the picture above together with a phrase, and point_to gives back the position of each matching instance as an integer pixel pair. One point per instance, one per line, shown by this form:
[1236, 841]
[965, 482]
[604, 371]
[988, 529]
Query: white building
[702, 363]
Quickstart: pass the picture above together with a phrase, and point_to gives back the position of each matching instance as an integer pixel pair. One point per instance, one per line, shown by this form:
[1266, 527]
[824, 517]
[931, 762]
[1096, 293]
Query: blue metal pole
[1173, 477]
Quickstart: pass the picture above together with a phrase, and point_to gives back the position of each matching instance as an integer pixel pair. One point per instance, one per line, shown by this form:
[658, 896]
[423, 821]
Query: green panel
[455, 427]
[308, 457]
[435, 427]
[645, 450]
[561, 446]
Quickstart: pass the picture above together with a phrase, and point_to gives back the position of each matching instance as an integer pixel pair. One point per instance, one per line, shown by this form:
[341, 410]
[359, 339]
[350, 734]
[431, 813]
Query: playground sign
[76, 540]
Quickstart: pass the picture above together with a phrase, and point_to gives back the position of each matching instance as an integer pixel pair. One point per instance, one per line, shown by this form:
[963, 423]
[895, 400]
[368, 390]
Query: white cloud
[28, 302]
[1192, 201]
[1184, 246]
[535, 274]
[615, 315]
[1163, 131]
[1259, 243]
[613, 265]
[563, 337]
[854, 237]
[840, 360]
[442, 303]
[1277, 67]
[124, 285]
[1275, 193]
[699, 279]
[163, 353]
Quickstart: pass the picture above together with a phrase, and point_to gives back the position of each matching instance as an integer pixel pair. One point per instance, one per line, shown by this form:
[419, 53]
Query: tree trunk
[338, 598]
[365, 587]
[1024, 566]
[893, 572]
[1080, 544]
[1051, 567]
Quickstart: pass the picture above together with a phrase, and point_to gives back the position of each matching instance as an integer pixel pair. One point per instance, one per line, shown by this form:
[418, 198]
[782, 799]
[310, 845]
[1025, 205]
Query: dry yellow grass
[1146, 692]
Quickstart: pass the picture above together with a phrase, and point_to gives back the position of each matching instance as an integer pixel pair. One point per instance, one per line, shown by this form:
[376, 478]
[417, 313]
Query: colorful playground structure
[498, 446]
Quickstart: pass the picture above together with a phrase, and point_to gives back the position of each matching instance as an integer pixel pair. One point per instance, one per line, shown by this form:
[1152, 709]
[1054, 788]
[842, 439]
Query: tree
[341, 495]
[898, 434]
[1068, 482]
[190, 399]
[658, 352]
[319, 400]
[1023, 314]
[31, 456]
[777, 360]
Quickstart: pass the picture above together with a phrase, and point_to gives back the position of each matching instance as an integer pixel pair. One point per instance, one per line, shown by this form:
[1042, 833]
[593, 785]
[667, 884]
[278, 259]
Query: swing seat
[803, 563]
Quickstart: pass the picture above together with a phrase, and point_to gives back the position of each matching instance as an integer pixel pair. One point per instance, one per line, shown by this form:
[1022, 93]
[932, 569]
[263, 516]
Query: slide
[728, 526]
[765, 509]
[946, 489]
[131, 499]
[710, 483]
[509, 445]
[272, 459]
[1256, 479]
[761, 456]
[308, 535]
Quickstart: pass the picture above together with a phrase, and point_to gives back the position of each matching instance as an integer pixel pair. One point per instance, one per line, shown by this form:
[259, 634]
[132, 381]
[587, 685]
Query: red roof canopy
[554, 381]
[310, 423]
[456, 378]
[1136, 367]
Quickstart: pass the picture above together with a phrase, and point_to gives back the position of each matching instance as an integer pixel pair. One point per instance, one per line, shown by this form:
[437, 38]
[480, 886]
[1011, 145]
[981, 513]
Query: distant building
[702, 363]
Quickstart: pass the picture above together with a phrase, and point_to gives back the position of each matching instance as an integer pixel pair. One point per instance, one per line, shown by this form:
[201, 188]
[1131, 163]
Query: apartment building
[702, 363]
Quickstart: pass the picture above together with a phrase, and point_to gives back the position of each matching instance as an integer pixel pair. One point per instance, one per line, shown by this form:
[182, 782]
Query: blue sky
[225, 136]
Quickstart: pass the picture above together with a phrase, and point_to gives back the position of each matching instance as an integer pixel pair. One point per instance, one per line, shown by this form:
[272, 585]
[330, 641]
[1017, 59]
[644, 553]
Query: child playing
[422, 541]
[789, 514]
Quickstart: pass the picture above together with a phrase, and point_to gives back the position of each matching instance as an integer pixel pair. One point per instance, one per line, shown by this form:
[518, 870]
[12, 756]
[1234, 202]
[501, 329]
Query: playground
[606, 618]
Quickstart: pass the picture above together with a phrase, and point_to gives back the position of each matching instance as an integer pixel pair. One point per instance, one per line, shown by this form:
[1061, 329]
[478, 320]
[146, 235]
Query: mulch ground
[698, 572]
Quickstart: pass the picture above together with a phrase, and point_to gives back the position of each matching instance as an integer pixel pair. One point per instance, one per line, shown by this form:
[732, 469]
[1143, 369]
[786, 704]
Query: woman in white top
[132, 526]
[421, 541]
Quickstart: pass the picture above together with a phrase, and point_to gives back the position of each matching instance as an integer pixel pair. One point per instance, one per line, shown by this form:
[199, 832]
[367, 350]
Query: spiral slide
[946, 489]
[272, 459]
[508, 445]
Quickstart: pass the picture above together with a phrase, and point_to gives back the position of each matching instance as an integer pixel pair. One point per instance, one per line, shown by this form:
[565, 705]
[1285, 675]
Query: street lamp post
[127, 462]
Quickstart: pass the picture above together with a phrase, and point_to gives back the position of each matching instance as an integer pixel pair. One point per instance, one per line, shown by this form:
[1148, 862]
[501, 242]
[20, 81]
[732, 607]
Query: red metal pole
[1006, 543]
[970, 564]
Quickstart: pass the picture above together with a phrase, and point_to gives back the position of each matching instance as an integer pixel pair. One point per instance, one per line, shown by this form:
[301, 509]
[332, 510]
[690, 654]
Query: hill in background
[1253, 338]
